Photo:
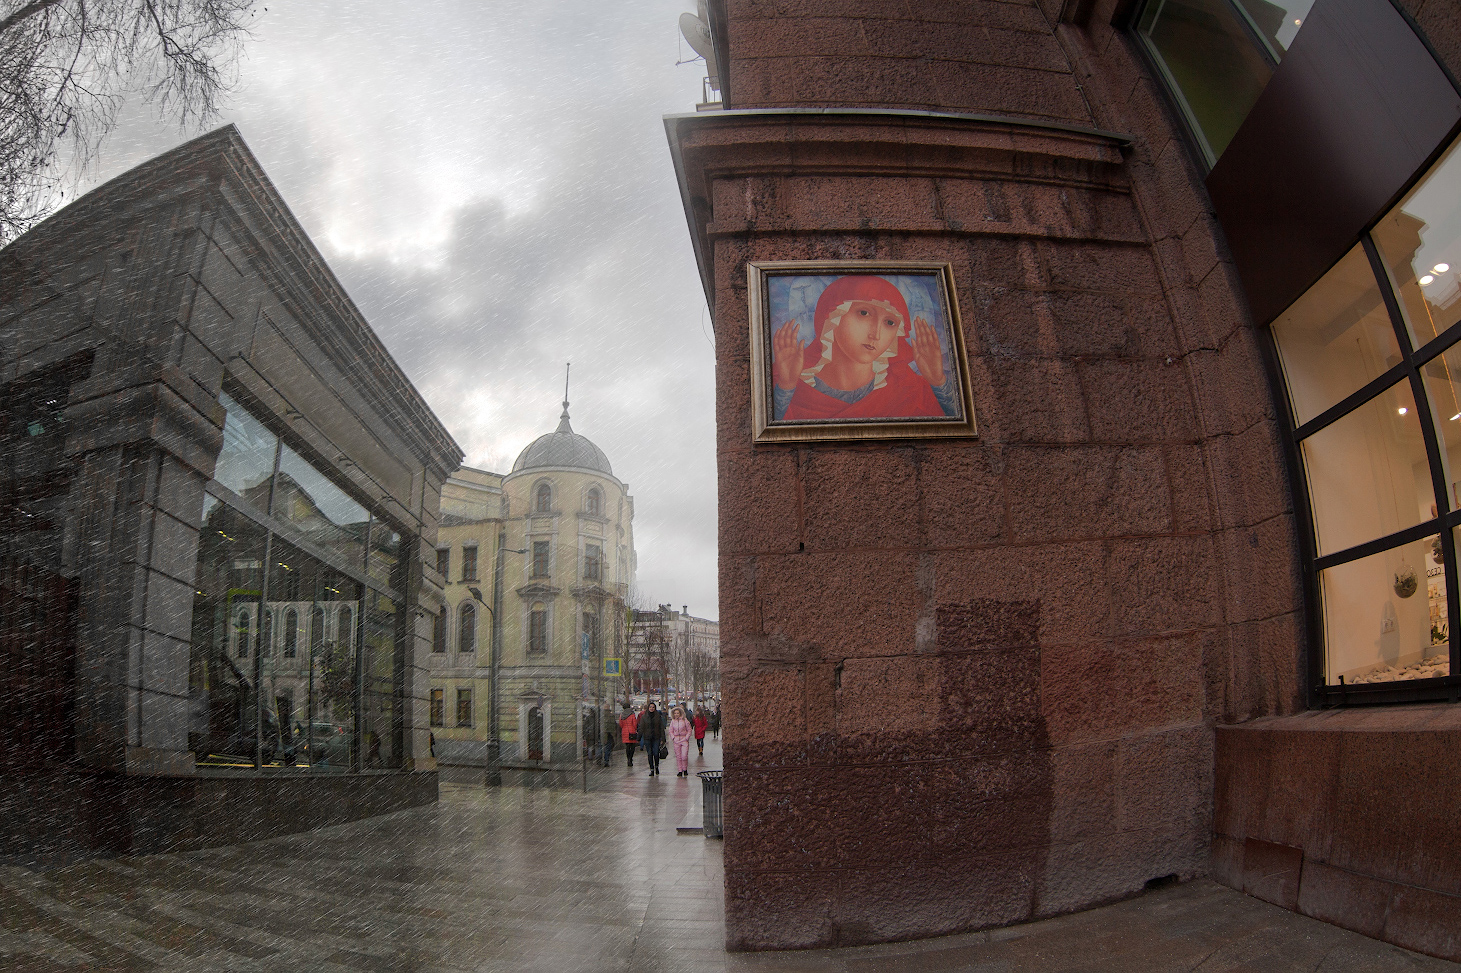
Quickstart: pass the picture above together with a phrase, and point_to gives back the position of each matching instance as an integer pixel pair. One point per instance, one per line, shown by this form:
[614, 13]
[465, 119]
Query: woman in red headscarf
[858, 366]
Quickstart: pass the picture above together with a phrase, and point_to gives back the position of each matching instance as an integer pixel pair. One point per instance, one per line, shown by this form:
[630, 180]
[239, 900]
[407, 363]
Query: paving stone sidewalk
[532, 877]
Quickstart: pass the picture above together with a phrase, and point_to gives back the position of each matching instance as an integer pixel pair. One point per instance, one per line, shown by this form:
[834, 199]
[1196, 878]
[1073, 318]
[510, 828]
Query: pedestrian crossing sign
[613, 667]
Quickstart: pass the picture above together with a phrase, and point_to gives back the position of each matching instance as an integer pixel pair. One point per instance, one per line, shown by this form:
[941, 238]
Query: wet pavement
[538, 875]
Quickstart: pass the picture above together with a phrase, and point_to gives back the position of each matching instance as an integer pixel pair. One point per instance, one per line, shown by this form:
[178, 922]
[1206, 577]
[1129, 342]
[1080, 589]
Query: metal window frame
[1320, 694]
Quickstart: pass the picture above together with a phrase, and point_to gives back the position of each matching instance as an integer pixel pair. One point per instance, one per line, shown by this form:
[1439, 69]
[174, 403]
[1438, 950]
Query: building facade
[217, 492]
[672, 654]
[536, 566]
[1183, 606]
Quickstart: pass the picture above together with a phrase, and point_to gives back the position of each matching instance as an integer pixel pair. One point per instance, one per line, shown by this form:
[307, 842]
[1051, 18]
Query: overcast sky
[492, 184]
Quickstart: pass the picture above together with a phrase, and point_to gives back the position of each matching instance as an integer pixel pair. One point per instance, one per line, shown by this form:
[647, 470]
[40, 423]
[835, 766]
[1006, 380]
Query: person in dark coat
[652, 735]
[611, 734]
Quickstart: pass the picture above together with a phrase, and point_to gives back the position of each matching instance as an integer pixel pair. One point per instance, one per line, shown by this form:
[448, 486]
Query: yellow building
[560, 530]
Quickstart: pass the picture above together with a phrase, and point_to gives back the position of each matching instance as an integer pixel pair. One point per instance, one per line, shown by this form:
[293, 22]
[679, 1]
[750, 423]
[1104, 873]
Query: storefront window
[1383, 437]
[295, 630]
[1382, 476]
[1336, 338]
[1420, 244]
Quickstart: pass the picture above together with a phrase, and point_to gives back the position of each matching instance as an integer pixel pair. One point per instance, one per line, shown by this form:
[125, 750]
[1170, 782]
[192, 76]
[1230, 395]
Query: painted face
[865, 332]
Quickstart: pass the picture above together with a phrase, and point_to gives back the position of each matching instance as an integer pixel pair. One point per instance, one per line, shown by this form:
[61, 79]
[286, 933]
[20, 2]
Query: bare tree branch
[67, 66]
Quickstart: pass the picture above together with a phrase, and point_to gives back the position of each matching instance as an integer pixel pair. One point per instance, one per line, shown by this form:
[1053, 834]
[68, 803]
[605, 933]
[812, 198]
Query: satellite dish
[697, 33]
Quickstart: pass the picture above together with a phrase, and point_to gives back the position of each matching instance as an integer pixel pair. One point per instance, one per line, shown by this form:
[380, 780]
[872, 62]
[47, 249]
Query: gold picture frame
[850, 335]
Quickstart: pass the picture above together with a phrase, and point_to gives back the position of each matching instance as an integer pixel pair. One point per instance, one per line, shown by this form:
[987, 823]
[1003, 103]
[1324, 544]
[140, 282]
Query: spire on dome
[563, 425]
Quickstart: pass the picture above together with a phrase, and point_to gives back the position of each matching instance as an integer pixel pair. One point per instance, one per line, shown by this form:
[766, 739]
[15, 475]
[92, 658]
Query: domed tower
[569, 531]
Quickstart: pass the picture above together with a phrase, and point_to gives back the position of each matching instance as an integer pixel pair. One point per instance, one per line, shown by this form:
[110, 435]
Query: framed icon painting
[846, 349]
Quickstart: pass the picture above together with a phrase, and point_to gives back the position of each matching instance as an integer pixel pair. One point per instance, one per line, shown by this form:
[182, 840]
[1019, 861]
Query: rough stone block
[1164, 584]
[860, 498]
[1069, 580]
[1138, 401]
[963, 495]
[760, 501]
[1345, 899]
[1033, 401]
[1078, 493]
[1426, 921]
[1097, 689]
[847, 604]
[1271, 872]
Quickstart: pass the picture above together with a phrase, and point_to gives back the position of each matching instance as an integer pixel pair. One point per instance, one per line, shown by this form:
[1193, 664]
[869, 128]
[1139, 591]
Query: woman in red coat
[859, 364]
[700, 725]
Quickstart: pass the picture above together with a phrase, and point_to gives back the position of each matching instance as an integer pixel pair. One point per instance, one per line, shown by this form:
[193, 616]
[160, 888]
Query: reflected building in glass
[218, 489]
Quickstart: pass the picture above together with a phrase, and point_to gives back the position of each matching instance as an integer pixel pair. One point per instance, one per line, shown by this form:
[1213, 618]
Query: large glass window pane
[311, 692]
[379, 712]
[1420, 243]
[1214, 61]
[1278, 21]
[222, 717]
[1335, 338]
[246, 462]
[327, 514]
[1385, 616]
[1442, 378]
[1368, 473]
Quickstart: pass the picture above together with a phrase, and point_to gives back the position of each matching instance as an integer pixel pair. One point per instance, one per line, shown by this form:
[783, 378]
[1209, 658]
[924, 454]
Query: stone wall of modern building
[163, 306]
[970, 683]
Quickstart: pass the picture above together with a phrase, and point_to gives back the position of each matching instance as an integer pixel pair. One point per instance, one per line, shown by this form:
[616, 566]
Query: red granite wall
[1347, 816]
[971, 683]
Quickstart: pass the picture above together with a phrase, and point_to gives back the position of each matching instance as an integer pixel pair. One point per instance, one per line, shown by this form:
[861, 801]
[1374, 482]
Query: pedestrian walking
[701, 724]
[628, 733]
[652, 735]
[715, 722]
[611, 734]
[680, 731]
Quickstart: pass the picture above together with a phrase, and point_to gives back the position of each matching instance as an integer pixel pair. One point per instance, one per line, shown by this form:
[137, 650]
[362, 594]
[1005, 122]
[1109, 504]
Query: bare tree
[66, 66]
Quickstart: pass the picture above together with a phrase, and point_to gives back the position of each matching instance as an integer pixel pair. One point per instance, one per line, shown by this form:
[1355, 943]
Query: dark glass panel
[385, 553]
[223, 717]
[1217, 66]
[379, 711]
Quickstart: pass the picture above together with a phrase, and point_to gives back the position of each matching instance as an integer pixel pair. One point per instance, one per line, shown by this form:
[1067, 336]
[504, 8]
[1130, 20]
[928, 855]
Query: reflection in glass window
[246, 462]
[544, 499]
[1420, 244]
[438, 634]
[326, 514]
[540, 559]
[593, 559]
[438, 707]
[1335, 338]
[1442, 378]
[469, 562]
[1278, 21]
[1215, 65]
[464, 707]
[385, 552]
[1383, 439]
[379, 719]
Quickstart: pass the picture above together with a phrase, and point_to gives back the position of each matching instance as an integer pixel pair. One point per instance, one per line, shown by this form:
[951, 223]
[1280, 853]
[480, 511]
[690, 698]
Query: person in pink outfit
[680, 731]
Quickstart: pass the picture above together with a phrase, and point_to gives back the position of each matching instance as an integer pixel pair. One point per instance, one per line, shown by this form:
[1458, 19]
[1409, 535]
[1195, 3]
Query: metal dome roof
[562, 447]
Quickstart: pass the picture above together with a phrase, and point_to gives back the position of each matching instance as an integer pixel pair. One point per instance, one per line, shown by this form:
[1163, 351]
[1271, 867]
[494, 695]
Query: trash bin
[713, 821]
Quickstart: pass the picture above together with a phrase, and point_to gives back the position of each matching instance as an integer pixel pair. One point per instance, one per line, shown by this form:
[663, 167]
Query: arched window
[467, 628]
[595, 504]
[243, 626]
[544, 502]
[344, 631]
[316, 631]
[291, 634]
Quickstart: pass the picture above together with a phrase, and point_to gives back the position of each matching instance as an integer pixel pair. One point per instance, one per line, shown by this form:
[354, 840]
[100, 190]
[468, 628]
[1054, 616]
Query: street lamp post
[494, 743]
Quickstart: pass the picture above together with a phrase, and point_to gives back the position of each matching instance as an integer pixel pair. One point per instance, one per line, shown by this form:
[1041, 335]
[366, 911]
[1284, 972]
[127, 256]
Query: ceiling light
[1456, 416]
[1427, 279]
[1403, 410]
[1298, 22]
[1441, 268]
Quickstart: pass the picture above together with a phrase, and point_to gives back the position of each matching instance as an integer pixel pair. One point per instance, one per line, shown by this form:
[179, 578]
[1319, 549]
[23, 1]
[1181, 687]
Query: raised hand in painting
[927, 353]
[786, 355]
